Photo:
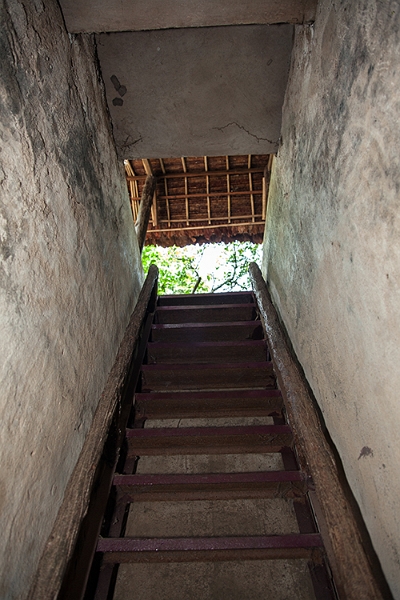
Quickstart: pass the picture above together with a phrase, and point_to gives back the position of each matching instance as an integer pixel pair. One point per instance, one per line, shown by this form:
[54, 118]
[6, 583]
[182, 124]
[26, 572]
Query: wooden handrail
[61, 544]
[354, 576]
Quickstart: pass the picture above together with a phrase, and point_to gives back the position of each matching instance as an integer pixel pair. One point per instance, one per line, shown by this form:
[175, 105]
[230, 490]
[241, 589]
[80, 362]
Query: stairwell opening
[206, 220]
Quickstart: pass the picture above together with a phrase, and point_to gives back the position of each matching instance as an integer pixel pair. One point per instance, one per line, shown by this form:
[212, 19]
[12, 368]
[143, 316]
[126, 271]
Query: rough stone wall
[332, 244]
[69, 270]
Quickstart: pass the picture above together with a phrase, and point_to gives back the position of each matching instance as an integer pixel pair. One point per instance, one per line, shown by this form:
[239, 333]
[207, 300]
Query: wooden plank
[198, 376]
[208, 440]
[214, 486]
[210, 298]
[356, 575]
[205, 314]
[205, 332]
[202, 352]
[235, 403]
[62, 540]
[126, 550]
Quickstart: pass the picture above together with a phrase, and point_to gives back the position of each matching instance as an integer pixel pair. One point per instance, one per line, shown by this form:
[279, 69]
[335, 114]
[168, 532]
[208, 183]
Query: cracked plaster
[69, 270]
[332, 245]
[194, 92]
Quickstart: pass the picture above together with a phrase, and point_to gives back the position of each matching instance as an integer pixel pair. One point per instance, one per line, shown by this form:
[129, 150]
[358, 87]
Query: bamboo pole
[147, 168]
[251, 187]
[215, 194]
[166, 193]
[202, 174]
[208, 191]
[145, 209]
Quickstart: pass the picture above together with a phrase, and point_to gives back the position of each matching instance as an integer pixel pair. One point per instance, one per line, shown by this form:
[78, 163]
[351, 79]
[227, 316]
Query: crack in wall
[259, 139]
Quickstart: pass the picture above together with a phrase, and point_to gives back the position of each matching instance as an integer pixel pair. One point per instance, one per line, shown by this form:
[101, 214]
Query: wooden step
[207, 332]
[186, 405]
[208, 440]
[205, 313]
[215, 486]
[203, 352]
[190, 299]
[194, 376]
[128, 550]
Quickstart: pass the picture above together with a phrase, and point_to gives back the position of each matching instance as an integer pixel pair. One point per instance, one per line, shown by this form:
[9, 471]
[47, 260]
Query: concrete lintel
[130, 15]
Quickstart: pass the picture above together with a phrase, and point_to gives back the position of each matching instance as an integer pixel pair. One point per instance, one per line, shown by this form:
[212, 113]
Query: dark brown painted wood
[205, 314]
[204, 299]
[352, 568]
[129, 550]
[208, 440]
[208, 332]
[252, 403]
[216, 486]
[204, 352]
[193, 376]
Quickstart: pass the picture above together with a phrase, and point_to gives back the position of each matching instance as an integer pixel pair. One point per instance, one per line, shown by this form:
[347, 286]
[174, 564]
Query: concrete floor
[245, 580]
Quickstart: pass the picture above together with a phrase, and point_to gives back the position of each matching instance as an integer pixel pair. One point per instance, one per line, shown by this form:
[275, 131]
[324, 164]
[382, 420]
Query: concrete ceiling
[192, 77]
[85, 16]
[192, 92]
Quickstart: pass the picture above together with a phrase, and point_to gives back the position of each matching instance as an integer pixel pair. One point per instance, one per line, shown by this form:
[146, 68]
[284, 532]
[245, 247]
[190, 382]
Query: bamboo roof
[203, 199]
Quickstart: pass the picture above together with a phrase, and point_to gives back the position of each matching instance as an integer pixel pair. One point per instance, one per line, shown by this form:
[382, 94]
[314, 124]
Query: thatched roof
[202, 199]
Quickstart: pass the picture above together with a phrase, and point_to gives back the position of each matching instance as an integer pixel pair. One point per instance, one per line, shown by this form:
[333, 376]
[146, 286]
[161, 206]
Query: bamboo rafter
[203, 192]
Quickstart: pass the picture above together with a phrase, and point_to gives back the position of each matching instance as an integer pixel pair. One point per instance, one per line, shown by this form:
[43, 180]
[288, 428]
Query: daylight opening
[206, 220]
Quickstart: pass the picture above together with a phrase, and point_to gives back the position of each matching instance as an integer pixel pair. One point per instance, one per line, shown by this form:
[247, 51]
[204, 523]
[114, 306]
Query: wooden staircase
[208, 501]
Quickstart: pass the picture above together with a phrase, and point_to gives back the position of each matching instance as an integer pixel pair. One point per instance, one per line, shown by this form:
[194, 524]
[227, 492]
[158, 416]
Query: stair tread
[205, 325]
[218, 344]
[187, 544]
[208, 478]
[190, 307]
[203, 366]
[253, 430]
[243, 392]
[204, 299]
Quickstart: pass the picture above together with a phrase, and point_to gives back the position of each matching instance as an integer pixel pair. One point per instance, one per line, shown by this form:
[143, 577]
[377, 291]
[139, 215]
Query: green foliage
[222, 267]
[231, 271]
[178, 270]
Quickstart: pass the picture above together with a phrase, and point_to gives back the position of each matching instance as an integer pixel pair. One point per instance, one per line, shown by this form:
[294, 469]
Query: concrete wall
[69, 270]
[332, 247]
[129, 15]
[195, 92]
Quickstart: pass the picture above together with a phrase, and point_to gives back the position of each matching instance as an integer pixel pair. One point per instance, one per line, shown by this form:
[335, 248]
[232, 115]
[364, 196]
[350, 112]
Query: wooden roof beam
[219, 173]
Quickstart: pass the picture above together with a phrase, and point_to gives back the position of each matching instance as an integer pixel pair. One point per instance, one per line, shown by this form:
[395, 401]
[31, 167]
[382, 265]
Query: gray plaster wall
[131, 15]
[332, 244]
[193, 92]
[69, 270]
